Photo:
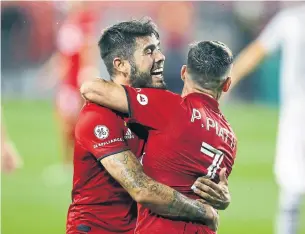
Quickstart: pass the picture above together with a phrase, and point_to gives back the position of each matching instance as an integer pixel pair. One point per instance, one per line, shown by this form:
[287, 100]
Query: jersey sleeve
[150, 107]
[101, 133]
[272, 35]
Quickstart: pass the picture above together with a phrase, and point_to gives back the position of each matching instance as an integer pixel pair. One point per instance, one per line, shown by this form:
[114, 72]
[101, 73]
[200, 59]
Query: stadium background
[34, 204]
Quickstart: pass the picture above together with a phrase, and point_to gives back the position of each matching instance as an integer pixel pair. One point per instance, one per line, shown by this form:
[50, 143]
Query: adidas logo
[129, 135]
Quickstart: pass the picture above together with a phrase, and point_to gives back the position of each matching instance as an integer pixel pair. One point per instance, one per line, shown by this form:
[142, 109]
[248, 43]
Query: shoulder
[159, 94]
[95, 120]
[98, 110]
[92, 114]
[285, 14]
[151, 91]
[288, 19]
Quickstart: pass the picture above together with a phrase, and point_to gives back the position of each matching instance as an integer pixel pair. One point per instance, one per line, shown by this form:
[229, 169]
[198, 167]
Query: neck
[119, 79]
[189, 88]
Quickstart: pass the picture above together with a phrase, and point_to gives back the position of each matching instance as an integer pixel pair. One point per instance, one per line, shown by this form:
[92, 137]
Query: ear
[183, 72]
[121, 65]
[226, 84]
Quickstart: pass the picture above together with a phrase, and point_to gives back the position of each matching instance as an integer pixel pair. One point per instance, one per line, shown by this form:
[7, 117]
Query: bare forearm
[162, 199]
[247, 61]
[105, 93]
[159, 198]
[172, 204]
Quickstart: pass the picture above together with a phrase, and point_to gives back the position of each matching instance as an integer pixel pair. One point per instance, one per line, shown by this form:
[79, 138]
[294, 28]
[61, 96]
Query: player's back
[196, 141]
[98, 201]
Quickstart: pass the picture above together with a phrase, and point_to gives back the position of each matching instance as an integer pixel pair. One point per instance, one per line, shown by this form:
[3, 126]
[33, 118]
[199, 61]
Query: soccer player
[130, 51]
[188, 135]
[286, 31]
[75, 59]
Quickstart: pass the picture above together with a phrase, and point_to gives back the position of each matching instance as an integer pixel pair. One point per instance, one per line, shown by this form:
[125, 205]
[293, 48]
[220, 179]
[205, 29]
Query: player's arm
[148, 107]
[247, 61]
[100, 131]
[105, 93]
[266, 43]
[159, 198]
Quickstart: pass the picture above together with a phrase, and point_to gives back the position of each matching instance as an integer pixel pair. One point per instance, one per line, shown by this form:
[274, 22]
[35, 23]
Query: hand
[216, 195]
[86, 87]
[10, 158]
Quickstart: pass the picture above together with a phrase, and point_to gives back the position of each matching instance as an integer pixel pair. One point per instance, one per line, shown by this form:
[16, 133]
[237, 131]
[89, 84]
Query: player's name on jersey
[211, 124]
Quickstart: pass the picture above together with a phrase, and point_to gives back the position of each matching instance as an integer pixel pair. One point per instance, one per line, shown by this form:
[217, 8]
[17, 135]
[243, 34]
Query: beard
[143, 79]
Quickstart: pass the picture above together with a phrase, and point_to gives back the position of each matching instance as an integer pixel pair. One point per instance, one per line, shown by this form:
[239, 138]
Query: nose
[159, 56]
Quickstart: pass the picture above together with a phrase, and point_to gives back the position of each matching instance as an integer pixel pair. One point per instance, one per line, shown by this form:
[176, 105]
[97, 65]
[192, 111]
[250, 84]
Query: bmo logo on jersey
[142, 99]
[101, 132]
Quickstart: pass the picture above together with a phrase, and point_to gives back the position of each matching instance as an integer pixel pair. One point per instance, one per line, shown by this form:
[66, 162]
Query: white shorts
[290, 151]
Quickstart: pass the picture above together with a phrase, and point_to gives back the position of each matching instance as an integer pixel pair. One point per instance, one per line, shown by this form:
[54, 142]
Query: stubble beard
[143, 79]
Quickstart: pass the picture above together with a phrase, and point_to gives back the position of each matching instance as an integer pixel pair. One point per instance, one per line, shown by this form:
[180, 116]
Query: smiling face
[147, 65]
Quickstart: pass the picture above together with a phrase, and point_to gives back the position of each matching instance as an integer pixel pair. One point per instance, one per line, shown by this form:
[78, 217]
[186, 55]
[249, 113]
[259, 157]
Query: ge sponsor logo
[142, 99]
[101, 132]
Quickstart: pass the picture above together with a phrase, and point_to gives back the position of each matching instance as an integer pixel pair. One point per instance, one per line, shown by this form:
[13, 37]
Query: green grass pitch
[31, 206]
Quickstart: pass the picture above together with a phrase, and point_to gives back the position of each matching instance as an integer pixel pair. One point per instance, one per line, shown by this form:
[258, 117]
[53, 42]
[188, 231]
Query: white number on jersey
[217, 156]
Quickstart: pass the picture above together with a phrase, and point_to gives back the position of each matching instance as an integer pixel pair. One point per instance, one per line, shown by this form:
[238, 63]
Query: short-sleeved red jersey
[188, 138]
[99, 203]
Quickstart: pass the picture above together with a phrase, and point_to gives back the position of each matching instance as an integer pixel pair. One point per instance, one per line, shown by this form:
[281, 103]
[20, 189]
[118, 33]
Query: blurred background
[35, 200]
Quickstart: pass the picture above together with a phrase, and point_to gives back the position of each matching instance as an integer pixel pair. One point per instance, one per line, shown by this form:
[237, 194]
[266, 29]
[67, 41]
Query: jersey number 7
[217, 156]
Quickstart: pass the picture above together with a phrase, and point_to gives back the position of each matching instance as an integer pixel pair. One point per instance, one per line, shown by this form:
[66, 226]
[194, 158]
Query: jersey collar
[208, 100]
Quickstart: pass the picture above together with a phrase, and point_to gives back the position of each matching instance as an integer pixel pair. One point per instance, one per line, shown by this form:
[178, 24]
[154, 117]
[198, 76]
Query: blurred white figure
[287, 32]
[10, 159]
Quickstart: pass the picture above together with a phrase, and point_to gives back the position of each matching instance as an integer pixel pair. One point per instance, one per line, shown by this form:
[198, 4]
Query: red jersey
[188, 138]
[99, 203]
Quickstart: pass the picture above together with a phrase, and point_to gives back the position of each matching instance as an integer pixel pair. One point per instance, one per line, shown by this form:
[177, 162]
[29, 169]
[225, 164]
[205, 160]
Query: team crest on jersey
[101, 132]
[142, 99]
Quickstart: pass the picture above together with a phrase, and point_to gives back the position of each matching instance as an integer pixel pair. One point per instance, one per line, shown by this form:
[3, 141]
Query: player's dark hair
[208, 62]
[119, 40]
